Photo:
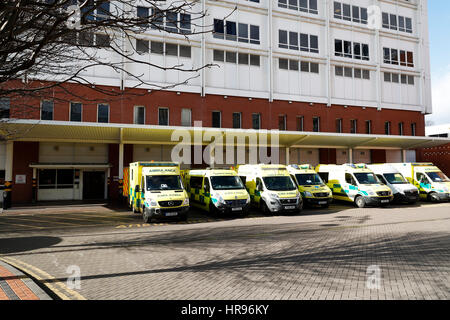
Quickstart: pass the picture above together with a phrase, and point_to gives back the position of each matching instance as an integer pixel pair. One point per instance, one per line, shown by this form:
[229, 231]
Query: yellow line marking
[39, 274]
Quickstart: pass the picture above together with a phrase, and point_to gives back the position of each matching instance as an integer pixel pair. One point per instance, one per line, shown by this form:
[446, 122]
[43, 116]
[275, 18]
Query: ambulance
[403, 190]
[312, 188]
[217, 191]
[355, 183]
[271, 188]
[432, 183]
[156, 190]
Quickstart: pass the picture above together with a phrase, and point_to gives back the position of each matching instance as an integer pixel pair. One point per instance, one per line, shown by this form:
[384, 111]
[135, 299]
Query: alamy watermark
[373, 281]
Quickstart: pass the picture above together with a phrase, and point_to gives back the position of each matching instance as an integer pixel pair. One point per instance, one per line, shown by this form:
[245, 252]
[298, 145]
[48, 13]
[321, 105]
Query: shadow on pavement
[24, 244]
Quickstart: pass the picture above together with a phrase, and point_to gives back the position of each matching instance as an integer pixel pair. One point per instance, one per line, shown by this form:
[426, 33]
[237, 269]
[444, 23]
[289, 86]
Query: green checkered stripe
[337, 190]
[196, 197]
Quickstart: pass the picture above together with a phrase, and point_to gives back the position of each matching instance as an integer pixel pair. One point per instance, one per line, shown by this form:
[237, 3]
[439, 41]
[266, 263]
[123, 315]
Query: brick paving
[316, 255]
[14, 285]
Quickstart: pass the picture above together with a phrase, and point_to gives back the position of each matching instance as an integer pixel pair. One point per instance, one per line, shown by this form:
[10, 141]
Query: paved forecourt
[320, 254]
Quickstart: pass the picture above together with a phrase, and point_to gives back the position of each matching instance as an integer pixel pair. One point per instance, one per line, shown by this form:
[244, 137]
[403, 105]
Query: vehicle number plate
[236, 209]
[290, 207]
[171, 214]
[384, 201]
[322, 202]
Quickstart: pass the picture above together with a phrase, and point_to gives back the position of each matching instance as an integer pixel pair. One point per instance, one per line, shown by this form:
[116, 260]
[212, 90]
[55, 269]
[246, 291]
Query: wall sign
[21, 178]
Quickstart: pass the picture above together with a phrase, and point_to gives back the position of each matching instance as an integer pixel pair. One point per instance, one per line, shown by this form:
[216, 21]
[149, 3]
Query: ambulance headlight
[371, 193]
[152, 203]
[308, 194]
[186, 202]
[273, 196]
[248, 199]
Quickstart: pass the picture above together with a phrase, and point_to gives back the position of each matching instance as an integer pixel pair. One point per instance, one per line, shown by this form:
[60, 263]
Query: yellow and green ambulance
[271, 188]
[156, 190]
[432, 183]
[312, 188]
[356, 184]
[217, 191]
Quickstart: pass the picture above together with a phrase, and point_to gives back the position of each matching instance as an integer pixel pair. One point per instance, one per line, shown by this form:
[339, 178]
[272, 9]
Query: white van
[403, 190]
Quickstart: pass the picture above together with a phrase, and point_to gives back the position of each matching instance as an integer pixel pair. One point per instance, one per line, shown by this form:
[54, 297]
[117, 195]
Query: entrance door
[93, 185]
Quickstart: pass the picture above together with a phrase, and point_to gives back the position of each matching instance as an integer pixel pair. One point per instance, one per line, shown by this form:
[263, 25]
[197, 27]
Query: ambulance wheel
[146, 216]
[135, 210]
[433, 197]
[325, 206]
[360, 203]
[264, 209]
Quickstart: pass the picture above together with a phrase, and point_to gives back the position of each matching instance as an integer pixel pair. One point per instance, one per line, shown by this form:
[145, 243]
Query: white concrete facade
[269, 81]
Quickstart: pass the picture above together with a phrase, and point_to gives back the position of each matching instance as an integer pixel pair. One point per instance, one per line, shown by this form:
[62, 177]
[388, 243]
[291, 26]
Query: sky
[439, 31]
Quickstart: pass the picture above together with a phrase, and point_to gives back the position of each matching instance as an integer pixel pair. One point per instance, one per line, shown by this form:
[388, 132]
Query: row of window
[305, 66]
[169, 49]
[352, 72]
[398, 78]
[308, 6]
[395, 56]
[241, 32]
[394, 22]
[175, 22]
[349, 49]
[103, 113]
[290, 40]
[233, 57]
[347, 12]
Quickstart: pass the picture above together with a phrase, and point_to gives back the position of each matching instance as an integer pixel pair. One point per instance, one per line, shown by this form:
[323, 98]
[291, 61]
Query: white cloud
[441, 99]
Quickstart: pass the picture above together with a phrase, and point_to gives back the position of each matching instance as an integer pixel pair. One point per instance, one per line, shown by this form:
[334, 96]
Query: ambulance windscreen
[438, 177]
[280, 183]
[366, 178]
[163, 182]
[226, 183]
[308, 179]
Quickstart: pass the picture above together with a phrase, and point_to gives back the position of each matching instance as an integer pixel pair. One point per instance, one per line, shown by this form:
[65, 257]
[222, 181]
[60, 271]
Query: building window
[368, 127]
[393, 22]
[346, 12]
[307, 6]
[300, 123]
[237, 120]
[387, 127]
[75, 111]
[163, 116]
[169, 21]
[5, 107]
[396, 57]
[256, 121]
[282, 122]
[400, 129]
[228, 30]
[353, 126]
[216, 119]
[413, 129]
[186, 117]
[139, 115]
[339, 125]
[290, 40]
[47, 110]
[316, 124]
[56, 178]
[103, 113]
[348, 49]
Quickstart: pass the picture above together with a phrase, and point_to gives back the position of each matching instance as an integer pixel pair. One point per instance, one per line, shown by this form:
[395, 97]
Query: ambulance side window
[196, 182]
[382, 179]
[259, 185]
[324, 176]
[349, 179]
[207, 188]
[295, 180]
[243, 179]
[421, 178]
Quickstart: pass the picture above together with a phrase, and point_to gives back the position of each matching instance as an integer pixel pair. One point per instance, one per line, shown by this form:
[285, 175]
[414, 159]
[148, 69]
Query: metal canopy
[90, 132]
